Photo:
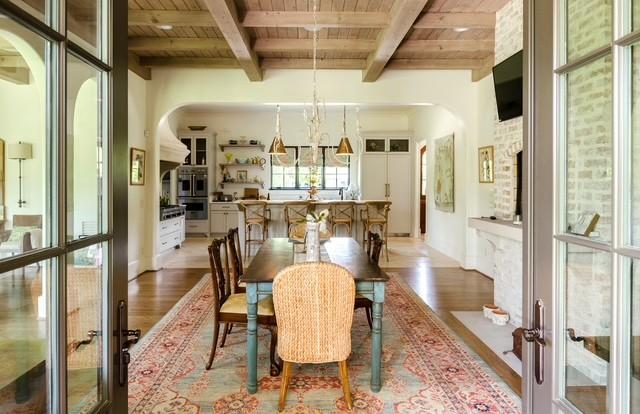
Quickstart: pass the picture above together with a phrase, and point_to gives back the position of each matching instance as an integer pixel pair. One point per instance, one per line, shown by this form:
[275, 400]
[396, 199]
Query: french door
[583, 223]
[63, 171]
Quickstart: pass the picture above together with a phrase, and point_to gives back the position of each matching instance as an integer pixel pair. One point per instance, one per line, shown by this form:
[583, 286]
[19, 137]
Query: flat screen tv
[507, 79]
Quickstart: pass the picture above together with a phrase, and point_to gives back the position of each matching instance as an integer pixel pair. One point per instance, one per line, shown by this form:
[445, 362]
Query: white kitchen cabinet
[387, 176]
[171, 233]
[223, 216]
[199, 145]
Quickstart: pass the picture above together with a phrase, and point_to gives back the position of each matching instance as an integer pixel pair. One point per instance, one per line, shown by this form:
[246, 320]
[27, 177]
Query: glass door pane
[588, 26]
[25, 338]
[25, 144]
[86, 274]
[635, 337]
[84, 19]
[589, 150]
[84, 150]
[588, 327]
[635, 145]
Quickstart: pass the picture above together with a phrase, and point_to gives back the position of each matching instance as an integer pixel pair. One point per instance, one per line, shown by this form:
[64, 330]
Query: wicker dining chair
[232, 308]
[295, 212]
[256, 214]
[314, 328]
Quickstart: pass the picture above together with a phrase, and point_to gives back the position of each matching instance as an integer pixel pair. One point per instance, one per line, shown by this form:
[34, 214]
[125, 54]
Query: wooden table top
[277, 253]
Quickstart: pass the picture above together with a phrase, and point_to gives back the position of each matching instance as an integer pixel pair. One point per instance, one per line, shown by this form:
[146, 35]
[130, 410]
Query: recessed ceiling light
[460, 29]
[165, 27]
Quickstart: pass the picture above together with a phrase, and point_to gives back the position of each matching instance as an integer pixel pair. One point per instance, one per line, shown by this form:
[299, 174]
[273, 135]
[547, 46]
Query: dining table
[275, 254]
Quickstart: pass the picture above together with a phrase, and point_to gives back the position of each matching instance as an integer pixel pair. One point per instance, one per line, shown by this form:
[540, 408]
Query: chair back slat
[219, 277]
[254, 209]
[378, 210]
[314, 309]
[342, 210]
[296, 211]
[235, 258]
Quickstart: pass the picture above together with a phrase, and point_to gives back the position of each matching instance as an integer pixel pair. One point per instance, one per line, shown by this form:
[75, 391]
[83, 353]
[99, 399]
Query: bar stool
[342, 213]
[376, 215]
[257, 214]
[295, 212]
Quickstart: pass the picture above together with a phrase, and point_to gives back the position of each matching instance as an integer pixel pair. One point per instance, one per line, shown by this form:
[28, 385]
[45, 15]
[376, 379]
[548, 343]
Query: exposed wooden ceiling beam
[172, 43]
[12, 61]
[435, 64]
[417, 46]
[324, 19]
[269, 63]
[453, 20]
[292, 45]
[485, 70]
[226, 16]
[135, 67]
[170, 17]
[19, 76]
[188, 62]
[403, 16]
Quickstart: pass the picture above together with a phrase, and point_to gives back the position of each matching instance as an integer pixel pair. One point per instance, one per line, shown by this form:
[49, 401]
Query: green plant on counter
[164, 200]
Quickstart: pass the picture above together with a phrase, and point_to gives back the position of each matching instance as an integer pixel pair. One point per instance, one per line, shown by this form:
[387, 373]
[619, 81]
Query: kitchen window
[331, 173]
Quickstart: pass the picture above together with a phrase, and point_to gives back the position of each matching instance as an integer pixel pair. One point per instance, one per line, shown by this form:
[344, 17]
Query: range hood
[172, 151]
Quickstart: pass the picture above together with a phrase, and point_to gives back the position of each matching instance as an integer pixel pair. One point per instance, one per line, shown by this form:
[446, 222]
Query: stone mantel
[502, 228]
[505, 239]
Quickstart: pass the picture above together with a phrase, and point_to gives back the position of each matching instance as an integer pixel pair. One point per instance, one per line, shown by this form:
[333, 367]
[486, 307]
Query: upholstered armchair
[314, 328]
[25, 235]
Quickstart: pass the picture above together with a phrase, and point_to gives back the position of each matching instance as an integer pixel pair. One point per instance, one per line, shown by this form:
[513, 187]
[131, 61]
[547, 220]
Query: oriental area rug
[425, 367]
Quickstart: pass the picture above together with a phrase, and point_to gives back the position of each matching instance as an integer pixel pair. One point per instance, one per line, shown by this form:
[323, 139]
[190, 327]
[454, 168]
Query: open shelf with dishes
[224, 146]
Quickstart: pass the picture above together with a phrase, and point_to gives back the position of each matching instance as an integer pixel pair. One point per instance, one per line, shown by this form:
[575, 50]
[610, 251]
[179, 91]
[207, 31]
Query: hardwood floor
[455, 289]
[153, 294]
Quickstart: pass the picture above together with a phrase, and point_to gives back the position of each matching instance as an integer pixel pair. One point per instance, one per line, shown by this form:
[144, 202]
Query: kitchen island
[225, 215]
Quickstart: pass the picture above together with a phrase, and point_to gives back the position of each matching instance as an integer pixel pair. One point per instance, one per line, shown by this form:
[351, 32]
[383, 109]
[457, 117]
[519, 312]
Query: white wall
[139, 202]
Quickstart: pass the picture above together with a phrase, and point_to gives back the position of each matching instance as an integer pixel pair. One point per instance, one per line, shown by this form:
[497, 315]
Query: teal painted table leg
[376, 339]
[252, 338]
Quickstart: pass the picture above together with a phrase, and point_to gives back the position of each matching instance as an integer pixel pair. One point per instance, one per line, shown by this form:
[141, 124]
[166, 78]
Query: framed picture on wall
[444, 174]
[136, 171]
[485, 164]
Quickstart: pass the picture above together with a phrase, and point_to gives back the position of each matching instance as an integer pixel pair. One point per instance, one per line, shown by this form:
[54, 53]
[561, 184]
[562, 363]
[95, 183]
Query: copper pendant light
[277, 146]
[344, 147]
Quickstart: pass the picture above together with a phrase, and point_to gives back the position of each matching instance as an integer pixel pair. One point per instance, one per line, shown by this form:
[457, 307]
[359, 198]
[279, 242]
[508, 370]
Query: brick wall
[508, 134]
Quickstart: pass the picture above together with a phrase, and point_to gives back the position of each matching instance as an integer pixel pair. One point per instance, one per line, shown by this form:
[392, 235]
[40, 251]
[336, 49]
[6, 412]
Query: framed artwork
[136, 170]
[444, 174]
[485, 164]
[242, 176]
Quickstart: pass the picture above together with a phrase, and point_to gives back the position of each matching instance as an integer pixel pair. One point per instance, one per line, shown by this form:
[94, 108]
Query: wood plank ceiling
[369, 35]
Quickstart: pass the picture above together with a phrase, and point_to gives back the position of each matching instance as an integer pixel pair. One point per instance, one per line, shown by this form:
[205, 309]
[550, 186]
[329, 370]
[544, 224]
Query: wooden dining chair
[314, 329]
[235, 260]
[231, 308]
[376, 216]
[342, 213]
[373, 251]
[256, 214]
[295, 212]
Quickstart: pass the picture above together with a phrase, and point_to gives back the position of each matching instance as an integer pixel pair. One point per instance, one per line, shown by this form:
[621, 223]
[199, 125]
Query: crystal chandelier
[314, 117]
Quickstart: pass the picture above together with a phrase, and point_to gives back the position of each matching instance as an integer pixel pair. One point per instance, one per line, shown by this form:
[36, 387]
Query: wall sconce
[20, 151]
